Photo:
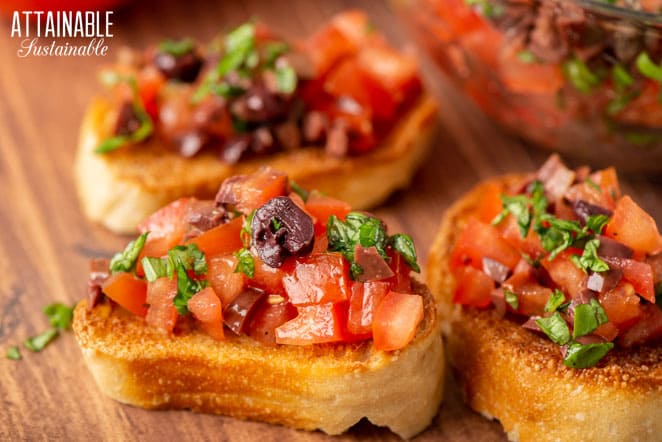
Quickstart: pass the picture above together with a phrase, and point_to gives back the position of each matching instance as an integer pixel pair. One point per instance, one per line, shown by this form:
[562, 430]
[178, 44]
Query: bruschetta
[342, 112]
[547, 289]
[268, 303]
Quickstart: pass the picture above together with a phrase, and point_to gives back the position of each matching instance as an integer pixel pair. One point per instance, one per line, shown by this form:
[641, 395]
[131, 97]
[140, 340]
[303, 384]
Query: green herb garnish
[526, 56]
[556, 298]
[190, 256]
[511, 299]
[59, 315]
[486, 8]
[581, 77]
[588, 317]
[273, 50]
[555, 328]
[186, 286]
[590, 259]
[13, 353]
[177, 48]
[246, 230]
[245, 263]
[303, 193]
[404, 245]
[39, 342]
[156, 268]
[125, 261]
[586, 355]
[648, 68]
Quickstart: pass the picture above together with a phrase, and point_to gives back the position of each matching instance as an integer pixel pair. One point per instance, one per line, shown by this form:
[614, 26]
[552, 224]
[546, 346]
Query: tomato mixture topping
[250, 93]
[269, 260]
[566, 255]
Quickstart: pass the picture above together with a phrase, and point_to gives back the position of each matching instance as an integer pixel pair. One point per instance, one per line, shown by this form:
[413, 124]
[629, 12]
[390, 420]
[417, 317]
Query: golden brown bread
[328, 387]
[122, 188]
[513, 375]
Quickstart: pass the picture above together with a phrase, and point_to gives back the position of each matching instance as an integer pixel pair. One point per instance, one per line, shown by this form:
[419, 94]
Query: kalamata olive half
[184, 67]
[281, 229]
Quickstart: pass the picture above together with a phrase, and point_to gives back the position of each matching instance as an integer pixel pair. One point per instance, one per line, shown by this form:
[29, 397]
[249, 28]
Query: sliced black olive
[281, 229]
[183, 67]
[584, 209]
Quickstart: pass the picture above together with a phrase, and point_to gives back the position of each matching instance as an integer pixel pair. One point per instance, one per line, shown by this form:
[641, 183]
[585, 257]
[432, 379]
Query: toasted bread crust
[513, 375]
[121, 188]
[328, 387]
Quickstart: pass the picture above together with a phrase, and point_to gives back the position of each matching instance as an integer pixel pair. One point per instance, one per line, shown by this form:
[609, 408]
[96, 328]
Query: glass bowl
[580, 77]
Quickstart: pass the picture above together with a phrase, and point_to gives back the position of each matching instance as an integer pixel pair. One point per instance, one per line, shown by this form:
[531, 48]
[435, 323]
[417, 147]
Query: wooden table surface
[45, 242]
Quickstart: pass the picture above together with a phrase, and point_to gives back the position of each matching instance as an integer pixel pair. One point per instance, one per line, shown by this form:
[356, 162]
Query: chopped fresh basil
[286, 79]
[556, 298]
[487, 8]
[622, 79]
[526, 56]
[125, 261]
[274, 50]
[596, 223]
[522, 205]
[37, 343]
[224, 90]
[555, 328]
[177, 47]
[59, 315]
[357, 228]
[404, 245]
[186, 287]
[156, 268]
[191, 257]
[590, 259]
[586, 355]
[276, 224]
[511, 299]
[239, 44]
[616, 105]
[303, 193]
[246, 231]
[581, 77]
[648, 68]
[245, 263]
[13, 353]
[588, 317]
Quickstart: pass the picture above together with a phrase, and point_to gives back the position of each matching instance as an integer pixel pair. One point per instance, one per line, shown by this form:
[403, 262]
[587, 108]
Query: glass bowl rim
[649, 18]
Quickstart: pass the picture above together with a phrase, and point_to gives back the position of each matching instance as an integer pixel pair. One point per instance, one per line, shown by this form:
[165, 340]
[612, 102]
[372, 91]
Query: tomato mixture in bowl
[269, 260]
[566, 255]
[580, 77]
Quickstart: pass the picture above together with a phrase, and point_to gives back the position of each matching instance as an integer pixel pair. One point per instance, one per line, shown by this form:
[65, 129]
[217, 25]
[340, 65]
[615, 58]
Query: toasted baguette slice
[328, 387]
[122, 188]
[513, 375]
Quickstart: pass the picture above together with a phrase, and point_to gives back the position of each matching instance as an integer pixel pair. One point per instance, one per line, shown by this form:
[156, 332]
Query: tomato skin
[395, 320]
[531, 296]
[473, 288]
[479, 239]
[227, 283]
[128, 291]
[530, 245]
[401, 281]
[162, 313]
[169, 223]
[314, 324]
[317, 279]
[321, 207]
[267, 318]
[207, 308]
[622, 305]
[648, 329]
[529, 78]
[267, 278]
[224, 238]
[637, 273]
[632, 226]
[490, 202]
[362, 304]
[249, 192]
[570, 279]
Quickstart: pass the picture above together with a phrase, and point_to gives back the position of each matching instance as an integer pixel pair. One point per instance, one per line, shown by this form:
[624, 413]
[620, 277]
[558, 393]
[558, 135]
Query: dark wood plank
[46, 242]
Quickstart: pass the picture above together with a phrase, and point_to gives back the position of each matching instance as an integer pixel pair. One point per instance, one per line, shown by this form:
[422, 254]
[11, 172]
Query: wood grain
[45, 242]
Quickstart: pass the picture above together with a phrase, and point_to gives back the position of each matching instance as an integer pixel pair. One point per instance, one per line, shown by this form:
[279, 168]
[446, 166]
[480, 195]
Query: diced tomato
[607, 331]
[473, 288]
[322, 207]
[321, 244]
[348, 80]
[395, 320]
[317, 279]
[206, 307]
[169, 223]
[249, 192]
[154, 247]
[315, 324]
[365, 297]
[645, 108]
[353, 24]
[267, 278]
[227, 283]
[529, 78]
[224, 238]
[128, 291]
[648, 329]
[490, 202]
[607, 179]
[162, 312]
[622, 305]
[531, 296]
[267, 318]
[458, 17]
[632, 226]
[570, 279]
[480, 240]
[637, 273]
[150, 81]
[401, 281]
[326, 47]
[530, 245]
[586, 192]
